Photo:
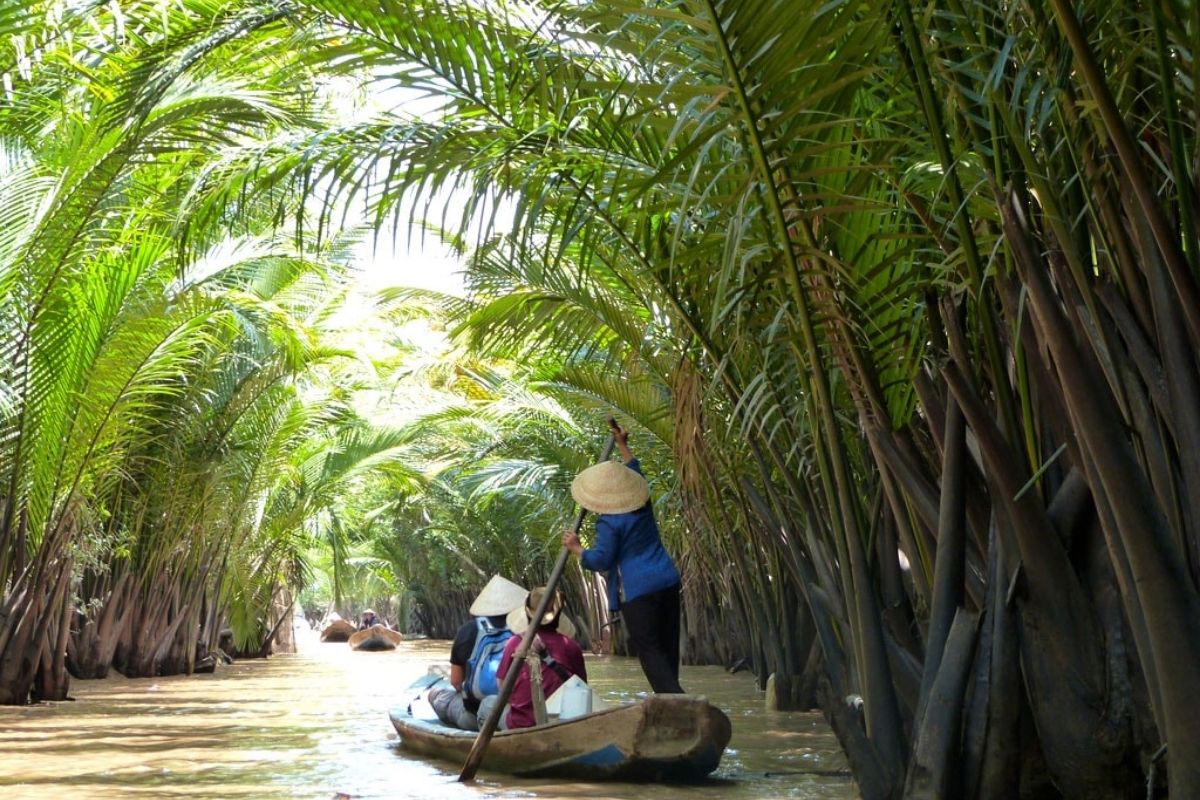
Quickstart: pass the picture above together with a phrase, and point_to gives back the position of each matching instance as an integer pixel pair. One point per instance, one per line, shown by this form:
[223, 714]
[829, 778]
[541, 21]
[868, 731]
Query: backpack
[480, 680]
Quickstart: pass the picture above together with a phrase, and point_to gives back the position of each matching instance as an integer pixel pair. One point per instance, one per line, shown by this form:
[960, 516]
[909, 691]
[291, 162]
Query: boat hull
[338, 631]
[376, 637]
[677, 738]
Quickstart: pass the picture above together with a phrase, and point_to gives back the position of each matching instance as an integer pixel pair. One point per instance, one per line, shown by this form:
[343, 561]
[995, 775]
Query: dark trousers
[653, 624]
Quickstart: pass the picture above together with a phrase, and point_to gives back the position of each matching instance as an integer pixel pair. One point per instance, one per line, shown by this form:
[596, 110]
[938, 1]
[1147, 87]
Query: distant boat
[678, 738]
[338, 631]
[376, 637]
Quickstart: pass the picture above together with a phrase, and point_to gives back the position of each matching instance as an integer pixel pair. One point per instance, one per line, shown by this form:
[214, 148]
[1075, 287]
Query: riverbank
[314, 724]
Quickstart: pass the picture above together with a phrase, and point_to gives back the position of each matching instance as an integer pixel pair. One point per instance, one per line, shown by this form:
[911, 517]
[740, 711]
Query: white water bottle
[576, 699]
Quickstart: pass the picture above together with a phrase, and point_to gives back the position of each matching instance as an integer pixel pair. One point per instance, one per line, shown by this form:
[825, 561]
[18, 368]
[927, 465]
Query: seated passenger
[475, 655]
[558, 655]
[369, 619]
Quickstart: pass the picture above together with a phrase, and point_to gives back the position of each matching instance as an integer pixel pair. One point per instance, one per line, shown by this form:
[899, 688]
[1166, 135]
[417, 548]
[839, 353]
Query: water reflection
[315, 724]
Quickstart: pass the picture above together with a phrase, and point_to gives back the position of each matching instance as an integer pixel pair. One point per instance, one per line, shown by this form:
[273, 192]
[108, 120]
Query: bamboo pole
[489, 726]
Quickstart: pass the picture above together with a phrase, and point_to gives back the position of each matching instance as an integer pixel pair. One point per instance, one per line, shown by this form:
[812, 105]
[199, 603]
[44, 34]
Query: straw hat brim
[499, 596]
[518, 621]
[610, 488]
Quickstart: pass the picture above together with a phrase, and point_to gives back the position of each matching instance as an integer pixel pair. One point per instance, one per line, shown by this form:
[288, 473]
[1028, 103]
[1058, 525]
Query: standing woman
[629, 548]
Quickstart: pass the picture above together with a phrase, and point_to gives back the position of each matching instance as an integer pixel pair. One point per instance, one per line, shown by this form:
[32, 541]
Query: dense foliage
[159, 458]
[887, 277]
[900, 298]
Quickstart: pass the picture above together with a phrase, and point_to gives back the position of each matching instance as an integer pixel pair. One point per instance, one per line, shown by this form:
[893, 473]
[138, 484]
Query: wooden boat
[338, 631]
[662, 738]
[376, 637]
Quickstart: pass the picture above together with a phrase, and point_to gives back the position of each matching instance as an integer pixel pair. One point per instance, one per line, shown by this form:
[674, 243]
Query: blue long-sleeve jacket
[628, 546]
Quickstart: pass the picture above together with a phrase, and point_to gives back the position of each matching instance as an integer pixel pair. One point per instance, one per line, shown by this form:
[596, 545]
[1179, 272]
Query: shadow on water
[313, 725]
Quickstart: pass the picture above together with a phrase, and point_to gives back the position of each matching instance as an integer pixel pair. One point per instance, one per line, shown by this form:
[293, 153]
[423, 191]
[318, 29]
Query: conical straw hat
[610, 488]
[518, 618]
[499, 596]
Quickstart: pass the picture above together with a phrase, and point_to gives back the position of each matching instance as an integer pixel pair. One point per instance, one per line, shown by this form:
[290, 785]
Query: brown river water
[314, 724]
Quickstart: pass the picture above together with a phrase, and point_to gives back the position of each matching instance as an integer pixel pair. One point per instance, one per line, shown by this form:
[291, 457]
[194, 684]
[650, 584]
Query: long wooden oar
[489, 726]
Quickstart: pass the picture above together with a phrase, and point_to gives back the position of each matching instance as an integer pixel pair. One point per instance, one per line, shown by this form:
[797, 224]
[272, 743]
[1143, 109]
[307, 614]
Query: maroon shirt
[563, 649]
